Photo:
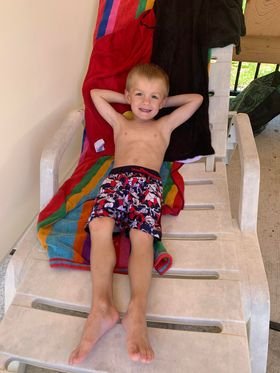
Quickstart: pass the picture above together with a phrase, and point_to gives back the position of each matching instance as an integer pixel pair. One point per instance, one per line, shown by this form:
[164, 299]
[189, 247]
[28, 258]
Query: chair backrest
[219, 86]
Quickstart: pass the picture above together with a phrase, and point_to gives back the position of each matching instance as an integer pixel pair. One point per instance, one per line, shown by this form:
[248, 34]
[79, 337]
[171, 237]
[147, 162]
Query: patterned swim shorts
[132, 196]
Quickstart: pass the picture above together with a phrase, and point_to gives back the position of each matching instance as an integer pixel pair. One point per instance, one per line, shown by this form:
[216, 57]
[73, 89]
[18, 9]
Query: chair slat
[196, 298]
[225, 352]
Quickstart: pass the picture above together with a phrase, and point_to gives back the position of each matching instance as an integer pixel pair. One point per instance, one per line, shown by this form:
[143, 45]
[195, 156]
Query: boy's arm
[186, 105]
[102, 99]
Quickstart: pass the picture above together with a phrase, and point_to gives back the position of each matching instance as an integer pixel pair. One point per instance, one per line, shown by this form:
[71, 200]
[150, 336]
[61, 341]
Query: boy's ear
[127, 95]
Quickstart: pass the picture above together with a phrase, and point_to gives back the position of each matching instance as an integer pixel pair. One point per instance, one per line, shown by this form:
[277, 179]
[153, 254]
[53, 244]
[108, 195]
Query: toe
[73, 357]
[134, 353]
[79, 354]
[147, 355]
[143, 356]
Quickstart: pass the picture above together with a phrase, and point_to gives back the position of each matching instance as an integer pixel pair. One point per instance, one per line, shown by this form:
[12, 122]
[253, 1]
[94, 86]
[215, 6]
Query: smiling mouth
[145, 110]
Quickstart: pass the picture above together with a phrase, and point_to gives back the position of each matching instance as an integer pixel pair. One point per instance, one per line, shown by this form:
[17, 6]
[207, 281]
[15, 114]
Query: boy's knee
[101, 224]
[140, 236]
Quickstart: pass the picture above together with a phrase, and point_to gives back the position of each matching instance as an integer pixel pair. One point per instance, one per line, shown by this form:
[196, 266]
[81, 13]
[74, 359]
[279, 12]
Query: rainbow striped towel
[115, 14]
[61, 223]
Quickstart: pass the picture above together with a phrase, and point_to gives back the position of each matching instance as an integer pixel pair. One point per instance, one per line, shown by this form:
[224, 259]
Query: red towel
[112, 57]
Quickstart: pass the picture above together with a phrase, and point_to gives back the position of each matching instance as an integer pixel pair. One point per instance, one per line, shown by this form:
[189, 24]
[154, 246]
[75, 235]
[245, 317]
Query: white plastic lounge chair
[215, 296]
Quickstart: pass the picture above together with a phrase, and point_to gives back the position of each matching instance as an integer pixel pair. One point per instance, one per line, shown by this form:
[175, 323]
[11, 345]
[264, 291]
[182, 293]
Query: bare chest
[139, 133]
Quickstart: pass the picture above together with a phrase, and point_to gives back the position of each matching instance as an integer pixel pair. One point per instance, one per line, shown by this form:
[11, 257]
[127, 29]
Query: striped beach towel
[116, 14]
[61, 223]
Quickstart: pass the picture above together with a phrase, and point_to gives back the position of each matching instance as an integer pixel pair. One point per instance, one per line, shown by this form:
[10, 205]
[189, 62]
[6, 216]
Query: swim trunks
[132, 196]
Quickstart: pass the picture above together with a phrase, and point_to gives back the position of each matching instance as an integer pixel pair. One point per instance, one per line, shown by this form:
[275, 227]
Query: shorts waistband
[138, 169]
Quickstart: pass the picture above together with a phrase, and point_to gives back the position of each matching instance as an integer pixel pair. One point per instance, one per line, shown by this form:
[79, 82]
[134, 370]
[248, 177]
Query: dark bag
[260, 100]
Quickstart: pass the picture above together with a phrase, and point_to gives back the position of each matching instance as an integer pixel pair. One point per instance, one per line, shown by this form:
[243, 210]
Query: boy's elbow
[93, 93]
[199, 99]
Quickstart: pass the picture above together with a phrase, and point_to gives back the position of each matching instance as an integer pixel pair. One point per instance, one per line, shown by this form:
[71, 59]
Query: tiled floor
[268, 144]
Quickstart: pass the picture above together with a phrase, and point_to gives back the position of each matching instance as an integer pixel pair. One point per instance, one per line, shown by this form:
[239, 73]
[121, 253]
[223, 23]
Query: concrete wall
[44, 52]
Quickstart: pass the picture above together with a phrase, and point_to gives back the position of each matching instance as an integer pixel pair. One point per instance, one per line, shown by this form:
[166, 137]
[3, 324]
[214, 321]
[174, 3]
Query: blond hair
[149, 71]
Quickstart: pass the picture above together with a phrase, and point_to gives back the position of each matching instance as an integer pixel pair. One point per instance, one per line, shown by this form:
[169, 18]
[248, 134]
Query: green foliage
[247, 73]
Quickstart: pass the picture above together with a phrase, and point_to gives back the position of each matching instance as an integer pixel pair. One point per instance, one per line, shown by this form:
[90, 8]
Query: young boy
[131, 198]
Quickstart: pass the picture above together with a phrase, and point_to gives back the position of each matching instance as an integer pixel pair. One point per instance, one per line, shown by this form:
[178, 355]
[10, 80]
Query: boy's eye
[138, 94]
[155, 97]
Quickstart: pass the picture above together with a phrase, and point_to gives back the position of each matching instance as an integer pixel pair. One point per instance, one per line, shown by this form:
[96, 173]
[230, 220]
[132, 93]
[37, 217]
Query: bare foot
[100, 320]
[138, 345]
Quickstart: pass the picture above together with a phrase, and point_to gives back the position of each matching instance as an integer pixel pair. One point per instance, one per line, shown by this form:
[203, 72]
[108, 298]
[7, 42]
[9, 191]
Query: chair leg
[258, 343]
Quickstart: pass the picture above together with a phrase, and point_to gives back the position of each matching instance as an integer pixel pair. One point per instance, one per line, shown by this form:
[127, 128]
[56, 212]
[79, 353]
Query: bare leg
[103, 315]
[140, 271]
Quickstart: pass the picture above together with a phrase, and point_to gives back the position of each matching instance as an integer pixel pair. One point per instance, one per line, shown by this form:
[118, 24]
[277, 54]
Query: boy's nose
[146, 99]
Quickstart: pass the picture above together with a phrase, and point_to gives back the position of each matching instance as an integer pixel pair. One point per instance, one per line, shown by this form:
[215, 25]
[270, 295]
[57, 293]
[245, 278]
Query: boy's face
[146, 97]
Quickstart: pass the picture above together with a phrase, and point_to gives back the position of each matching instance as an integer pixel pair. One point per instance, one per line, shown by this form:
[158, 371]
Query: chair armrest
[52, 155]
[256, 299]
[250, 173]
